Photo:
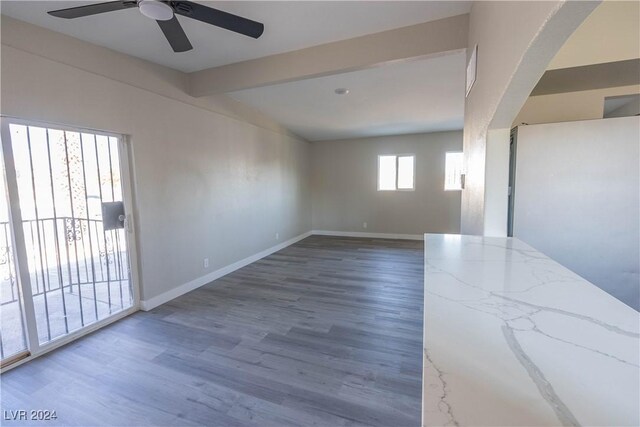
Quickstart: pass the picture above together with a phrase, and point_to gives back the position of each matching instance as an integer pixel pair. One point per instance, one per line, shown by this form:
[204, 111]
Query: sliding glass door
[13, 342]
[69, 218]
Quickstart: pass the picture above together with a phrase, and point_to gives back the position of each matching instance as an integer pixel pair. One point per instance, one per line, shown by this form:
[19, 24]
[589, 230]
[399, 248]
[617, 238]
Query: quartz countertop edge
[511, 337]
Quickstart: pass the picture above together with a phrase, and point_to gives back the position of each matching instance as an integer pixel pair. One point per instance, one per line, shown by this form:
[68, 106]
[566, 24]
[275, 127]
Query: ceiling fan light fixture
[155, 9]
[165, 13]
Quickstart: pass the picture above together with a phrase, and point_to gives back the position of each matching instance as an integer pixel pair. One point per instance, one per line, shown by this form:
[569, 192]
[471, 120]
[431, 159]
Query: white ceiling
[410, 97]
[288, 26]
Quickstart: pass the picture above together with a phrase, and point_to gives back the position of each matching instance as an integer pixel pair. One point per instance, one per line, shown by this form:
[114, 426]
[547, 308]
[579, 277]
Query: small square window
[396, 173]
[453, 171]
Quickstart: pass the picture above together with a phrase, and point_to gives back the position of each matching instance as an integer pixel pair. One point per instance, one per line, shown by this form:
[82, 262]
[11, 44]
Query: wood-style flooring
[327, 332]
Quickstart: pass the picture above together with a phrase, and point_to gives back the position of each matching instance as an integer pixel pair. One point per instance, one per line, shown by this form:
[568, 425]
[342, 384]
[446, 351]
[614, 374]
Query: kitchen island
[511, 337]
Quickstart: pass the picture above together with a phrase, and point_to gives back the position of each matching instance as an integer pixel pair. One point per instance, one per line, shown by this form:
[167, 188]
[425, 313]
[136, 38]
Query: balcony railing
[62, 253]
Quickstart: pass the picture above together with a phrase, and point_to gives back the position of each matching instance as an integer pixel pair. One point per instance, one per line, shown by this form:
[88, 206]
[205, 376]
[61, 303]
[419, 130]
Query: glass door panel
[12, 328]
[78, 266]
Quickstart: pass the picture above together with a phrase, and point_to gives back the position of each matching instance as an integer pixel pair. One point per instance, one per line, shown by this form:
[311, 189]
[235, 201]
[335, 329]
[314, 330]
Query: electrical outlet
[277, 236]
[364, 225]
[205, 263]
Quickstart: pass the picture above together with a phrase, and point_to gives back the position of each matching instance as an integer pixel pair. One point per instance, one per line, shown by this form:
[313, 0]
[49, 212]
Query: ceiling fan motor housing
[155, 9]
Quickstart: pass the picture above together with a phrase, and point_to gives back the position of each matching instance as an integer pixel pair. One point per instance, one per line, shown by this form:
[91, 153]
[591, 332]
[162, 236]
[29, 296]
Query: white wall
[610, 33]
[516, 41]
[345, 186]
[208, 184]
[577, 199]
[496, 197]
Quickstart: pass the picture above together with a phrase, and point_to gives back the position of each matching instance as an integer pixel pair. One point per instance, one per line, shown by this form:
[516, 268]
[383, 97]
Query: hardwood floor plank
[326, 332]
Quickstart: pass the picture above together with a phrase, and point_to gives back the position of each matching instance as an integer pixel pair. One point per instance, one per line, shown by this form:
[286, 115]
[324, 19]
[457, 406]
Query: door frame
[513, 152]
[23, 278]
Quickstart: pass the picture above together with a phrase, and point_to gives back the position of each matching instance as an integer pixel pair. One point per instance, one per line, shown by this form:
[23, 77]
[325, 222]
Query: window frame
[397, 157]
[445, 171]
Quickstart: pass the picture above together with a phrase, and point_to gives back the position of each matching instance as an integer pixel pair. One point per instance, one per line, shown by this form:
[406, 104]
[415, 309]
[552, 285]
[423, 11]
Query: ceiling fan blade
[218, 18]
[175, 35]
[92, 9]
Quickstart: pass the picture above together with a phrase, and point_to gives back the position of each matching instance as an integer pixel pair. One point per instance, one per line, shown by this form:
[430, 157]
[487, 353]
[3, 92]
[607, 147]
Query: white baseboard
[154, 302]
[368, 235]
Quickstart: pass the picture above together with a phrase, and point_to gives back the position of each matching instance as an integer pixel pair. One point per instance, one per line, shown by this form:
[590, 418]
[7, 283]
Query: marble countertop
[513, 338]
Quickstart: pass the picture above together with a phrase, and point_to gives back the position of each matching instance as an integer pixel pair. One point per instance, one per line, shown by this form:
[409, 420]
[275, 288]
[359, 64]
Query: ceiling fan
[164, 12]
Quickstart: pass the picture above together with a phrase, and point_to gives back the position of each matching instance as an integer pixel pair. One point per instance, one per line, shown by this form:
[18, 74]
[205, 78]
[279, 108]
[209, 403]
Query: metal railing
[63, 252]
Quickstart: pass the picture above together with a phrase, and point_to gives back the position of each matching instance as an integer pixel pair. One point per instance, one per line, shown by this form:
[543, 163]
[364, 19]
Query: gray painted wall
[630, 108]
[345, 186]
[207, 185]
[577, 199]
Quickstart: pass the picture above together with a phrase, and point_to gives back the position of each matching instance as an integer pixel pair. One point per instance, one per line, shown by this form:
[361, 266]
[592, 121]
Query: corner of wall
[496, 188]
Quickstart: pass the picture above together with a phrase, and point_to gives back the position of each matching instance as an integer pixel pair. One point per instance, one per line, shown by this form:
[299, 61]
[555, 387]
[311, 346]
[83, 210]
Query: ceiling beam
[413, 42]
[589, 77]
